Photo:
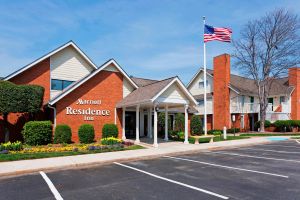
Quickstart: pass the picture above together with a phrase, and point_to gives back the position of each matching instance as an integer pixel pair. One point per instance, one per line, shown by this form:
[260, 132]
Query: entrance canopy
[168, 94]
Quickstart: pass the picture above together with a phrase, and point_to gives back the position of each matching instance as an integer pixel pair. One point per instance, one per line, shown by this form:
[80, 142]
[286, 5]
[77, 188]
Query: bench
[211, 138]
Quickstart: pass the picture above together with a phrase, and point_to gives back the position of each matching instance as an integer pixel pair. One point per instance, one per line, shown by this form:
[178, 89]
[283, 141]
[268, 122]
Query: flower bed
[55, 150]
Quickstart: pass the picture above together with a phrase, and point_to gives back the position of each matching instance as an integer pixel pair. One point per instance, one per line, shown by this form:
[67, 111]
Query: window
[201, 84]
[251, 99]
[282, 99]
[200, 102]
[60, 84]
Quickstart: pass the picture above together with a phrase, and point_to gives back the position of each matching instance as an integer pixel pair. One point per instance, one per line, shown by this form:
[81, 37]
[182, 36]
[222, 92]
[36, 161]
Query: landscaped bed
[56, 150]
[269, 134]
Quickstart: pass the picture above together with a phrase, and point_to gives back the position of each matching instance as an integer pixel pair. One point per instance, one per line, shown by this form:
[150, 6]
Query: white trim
[172, 100]
[195, 76]
[187, 93]
[62, 95]
[71, 43]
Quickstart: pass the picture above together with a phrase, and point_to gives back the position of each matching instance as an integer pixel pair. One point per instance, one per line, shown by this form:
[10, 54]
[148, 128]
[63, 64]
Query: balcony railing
[254, 108]
[209, 108]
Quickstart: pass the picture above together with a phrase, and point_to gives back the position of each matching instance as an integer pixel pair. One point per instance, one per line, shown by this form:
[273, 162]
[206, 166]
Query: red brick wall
[294, 80]
[105, 86]
[221, 80]
[36, 75]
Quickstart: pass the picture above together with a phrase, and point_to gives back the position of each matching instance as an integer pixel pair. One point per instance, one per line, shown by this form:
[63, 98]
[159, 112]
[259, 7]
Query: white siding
[127, 87]
[111, 68]
[68, 64]
[173, 93]
[194, 86]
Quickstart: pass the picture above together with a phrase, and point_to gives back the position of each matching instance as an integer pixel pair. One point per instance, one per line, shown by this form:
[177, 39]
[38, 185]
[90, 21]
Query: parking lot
[269, 171]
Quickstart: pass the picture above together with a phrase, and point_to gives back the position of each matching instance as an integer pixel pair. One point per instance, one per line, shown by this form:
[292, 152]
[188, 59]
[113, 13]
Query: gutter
[54, 113]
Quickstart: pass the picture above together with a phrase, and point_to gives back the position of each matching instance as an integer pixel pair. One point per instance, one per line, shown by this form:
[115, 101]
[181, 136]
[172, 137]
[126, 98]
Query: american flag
[213, 33]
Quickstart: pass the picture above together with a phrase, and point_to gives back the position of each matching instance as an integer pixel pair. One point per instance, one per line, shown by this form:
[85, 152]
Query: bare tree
[266, 49]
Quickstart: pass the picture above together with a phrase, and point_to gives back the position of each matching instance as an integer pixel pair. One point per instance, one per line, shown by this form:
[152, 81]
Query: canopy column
[155, 144]
[166, 123]
[123, 123]
[150, 122]
[137, 120]
[186, 118]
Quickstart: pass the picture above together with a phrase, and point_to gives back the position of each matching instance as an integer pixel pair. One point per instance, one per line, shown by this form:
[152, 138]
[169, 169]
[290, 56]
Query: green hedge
[267, 124]
[62, 134]
[196, 125]
[233, 130]
[86, 133]
[110, 130]
[37, 132]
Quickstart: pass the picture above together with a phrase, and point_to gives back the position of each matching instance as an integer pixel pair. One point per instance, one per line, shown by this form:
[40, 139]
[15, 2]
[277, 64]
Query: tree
[19, 99]
[266, 49]
[161, 121]
[179, 122]
[196, 125]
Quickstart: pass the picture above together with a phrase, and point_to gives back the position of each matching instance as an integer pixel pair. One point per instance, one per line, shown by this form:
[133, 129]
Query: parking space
[253, 172]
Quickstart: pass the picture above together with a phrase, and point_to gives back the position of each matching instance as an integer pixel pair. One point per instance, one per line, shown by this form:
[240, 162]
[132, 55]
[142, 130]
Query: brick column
[221, 102]
[294, 80]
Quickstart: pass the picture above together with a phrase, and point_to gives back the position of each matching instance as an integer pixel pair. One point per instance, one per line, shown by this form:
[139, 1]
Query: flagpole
[204, 79]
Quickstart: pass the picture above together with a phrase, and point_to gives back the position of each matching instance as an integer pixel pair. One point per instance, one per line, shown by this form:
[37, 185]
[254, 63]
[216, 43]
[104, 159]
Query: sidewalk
[169, 148]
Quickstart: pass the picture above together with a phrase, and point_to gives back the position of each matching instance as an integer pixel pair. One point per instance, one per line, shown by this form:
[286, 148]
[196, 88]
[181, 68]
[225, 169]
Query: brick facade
[294, 80]
[105, 86]
[221, 80]
[36, 75]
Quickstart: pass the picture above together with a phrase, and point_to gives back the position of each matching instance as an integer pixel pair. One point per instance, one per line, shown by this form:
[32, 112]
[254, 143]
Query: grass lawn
[26, 156]
[296, 137]
[218, 138]
[269, 134]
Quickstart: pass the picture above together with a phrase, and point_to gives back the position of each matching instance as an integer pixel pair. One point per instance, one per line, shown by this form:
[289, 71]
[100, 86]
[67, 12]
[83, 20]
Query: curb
[100, 163]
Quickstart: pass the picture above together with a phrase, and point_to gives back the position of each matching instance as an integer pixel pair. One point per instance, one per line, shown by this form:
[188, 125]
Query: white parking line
[298, 141]
[290, 152]
[51, 186]
[228, 167]
[172, 181]
[249, 156]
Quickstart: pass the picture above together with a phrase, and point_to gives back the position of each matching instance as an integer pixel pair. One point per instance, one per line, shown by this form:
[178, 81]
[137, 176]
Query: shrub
[257, 124]
[62, 134]
[196, 125]
[110, 141]
[15, 146]
[233, 130]
[180, 135]
[284, 125]
[110, 130]
[37, 132]
[214, 132]
[86, 133]
[192, 140]
[179, 122]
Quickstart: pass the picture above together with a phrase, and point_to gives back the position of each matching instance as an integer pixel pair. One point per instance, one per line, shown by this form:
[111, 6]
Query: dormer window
[201, 84]
[57, 84]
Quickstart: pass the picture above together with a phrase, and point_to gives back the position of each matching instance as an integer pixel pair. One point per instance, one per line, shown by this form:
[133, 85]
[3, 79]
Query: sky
[153, 39]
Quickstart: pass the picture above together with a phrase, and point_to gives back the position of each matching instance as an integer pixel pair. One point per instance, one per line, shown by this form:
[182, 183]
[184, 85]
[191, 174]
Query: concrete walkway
[169, 148]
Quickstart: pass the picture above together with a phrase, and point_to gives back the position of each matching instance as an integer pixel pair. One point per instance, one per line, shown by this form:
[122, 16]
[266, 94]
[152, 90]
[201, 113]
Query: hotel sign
[88, 113]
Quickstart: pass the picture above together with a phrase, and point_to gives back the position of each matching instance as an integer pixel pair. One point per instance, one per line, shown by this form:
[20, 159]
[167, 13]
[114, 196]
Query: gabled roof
[196, 75]
[83, 80]
[141, 82]
[70, 43]
[149, 93]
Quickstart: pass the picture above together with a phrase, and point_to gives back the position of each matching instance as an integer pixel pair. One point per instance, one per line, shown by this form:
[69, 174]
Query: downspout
[54, 115]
